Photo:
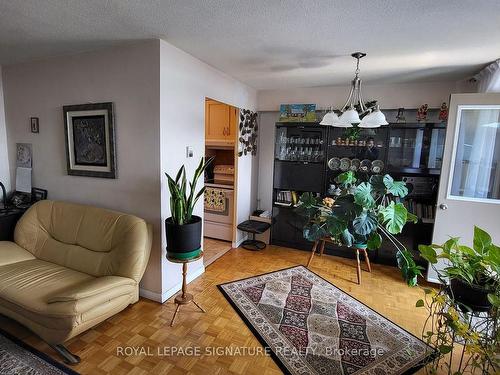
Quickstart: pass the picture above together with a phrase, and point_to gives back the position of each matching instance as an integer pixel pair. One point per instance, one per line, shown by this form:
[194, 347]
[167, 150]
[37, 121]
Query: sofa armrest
[92, 288]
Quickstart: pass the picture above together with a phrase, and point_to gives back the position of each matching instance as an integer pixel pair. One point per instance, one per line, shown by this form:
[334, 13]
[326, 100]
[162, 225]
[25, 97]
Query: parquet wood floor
[213, 249]
[146, 323]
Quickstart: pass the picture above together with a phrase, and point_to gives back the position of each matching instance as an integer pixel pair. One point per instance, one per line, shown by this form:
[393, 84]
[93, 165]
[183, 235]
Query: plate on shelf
[334, 164]
[365, 165]
[345, 164]
[377, 166]
[355, 164]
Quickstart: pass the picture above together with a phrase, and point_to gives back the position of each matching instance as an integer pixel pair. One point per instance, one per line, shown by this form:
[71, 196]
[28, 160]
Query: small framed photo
[35, 126]
[38, 194]
[90, 140]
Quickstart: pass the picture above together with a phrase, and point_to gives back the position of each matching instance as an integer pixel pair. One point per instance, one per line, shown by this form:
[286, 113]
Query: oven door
[219, 205]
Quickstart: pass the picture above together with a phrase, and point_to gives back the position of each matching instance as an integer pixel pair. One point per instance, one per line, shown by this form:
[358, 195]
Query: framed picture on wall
[90, 140]
[34, 124]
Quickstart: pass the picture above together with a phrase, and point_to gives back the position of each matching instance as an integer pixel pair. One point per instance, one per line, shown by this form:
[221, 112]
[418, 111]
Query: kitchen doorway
[220, 179]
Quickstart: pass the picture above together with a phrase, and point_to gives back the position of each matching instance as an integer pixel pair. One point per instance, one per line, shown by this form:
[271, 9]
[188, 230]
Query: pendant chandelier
[354, 110]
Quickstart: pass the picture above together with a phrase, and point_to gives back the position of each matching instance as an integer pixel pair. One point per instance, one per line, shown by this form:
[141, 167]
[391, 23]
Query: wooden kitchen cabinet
[220, 122]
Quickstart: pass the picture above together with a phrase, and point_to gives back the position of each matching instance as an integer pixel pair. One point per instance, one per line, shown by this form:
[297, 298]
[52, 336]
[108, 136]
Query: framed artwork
[34, 124]
[38, 194]
[298, 113]
[90, 140]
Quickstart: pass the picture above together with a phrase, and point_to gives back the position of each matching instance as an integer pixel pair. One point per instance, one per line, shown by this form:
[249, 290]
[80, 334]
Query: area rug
[312, 327]
[18, 358]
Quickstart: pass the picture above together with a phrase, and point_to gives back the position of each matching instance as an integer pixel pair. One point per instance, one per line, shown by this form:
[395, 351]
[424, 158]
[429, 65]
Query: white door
[469, 188]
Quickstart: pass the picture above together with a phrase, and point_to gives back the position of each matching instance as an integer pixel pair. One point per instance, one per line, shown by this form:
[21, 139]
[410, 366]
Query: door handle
[443, 206]
[224, 132]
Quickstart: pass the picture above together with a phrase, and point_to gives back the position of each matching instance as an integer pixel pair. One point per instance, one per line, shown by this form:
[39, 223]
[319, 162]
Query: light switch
[189, 152]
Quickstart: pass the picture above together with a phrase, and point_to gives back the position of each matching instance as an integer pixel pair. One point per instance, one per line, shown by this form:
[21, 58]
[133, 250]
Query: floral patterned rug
[18, 358]
[312, 327]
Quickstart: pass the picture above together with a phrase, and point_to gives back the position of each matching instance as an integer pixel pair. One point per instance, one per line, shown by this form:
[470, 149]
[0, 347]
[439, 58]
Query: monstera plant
[362, 213]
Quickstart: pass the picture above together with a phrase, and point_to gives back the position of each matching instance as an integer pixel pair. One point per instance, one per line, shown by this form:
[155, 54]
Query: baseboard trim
[162, 297]
[154, 296]
[240, 241]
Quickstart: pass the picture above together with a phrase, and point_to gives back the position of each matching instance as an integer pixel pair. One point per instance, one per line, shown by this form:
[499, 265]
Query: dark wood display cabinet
[308, 158]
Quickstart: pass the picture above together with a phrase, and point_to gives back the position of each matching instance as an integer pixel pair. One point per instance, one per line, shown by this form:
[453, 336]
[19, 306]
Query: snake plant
[181, 203]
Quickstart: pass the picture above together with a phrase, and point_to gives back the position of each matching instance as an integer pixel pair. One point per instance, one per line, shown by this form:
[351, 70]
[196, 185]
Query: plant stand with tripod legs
[184, 297]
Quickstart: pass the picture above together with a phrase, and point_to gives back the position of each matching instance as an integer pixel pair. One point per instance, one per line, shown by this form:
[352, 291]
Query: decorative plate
[334, 164]
[365, 165]
[355, 164]
[377, 166]
[345, 164]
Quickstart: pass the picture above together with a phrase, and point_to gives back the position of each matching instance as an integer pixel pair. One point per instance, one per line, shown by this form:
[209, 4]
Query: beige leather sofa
[71, 267]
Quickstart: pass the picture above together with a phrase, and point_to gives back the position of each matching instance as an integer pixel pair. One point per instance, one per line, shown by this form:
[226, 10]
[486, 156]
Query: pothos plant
[470, 274]
[362, 213]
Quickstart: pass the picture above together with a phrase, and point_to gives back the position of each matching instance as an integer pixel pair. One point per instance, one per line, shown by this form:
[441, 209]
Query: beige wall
[409, 95]
[4, 159]
[127, 76]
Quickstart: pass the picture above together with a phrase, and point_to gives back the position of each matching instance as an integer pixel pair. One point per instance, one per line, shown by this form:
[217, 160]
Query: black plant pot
[473, 296]
[183, 241]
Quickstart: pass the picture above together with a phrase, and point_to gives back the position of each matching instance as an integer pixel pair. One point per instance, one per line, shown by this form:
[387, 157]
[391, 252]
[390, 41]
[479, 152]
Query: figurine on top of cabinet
[443, 112]
[400, 118]
[422, 113]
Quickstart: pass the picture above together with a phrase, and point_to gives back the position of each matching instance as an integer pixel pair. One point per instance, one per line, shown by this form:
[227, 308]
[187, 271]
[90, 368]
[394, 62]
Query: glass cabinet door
[405, 148]
[297, 143]
[436, 148]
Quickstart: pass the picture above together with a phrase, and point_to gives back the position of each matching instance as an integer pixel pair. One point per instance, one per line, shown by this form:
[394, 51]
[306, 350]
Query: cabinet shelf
[299, 161]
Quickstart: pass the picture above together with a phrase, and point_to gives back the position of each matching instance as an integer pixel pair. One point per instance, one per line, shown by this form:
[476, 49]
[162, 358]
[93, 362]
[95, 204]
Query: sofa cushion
[58, 297]
[87, 239]
[12, 253]
[31, 283]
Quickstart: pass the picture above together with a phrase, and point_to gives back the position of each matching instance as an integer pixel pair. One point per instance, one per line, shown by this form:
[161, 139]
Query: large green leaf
[345, 208]
[428, 253]
[363, 195]
[347, 238]
[308, 205]
[335, 225]
[377, 182]
[482, 240]
[308, 200]
[394, 217]
[396, 188]
[493, 258]
[346, 178]
[313, 232]
[411, 218]
[375, 241]
[365, 223]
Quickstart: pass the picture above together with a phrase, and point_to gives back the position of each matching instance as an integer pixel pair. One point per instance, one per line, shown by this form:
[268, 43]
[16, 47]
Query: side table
[184, 297]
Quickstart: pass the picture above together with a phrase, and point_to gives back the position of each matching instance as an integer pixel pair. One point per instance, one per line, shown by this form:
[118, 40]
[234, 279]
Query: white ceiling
[271, 43]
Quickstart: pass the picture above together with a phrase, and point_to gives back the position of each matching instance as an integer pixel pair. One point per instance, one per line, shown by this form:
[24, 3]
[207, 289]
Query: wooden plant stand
[184, 297]
[322, 249]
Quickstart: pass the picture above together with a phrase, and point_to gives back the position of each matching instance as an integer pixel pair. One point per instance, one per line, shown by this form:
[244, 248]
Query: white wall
[4, 156]
[389, 96]
[185, 83]
[127, 76]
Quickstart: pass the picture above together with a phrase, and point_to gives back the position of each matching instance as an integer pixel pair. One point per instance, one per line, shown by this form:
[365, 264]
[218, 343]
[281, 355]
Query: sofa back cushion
[92, 240]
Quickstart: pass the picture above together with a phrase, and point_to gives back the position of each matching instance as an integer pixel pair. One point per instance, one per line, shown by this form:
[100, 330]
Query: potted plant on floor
[360, 215]
[183, 229]
[465, 309]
